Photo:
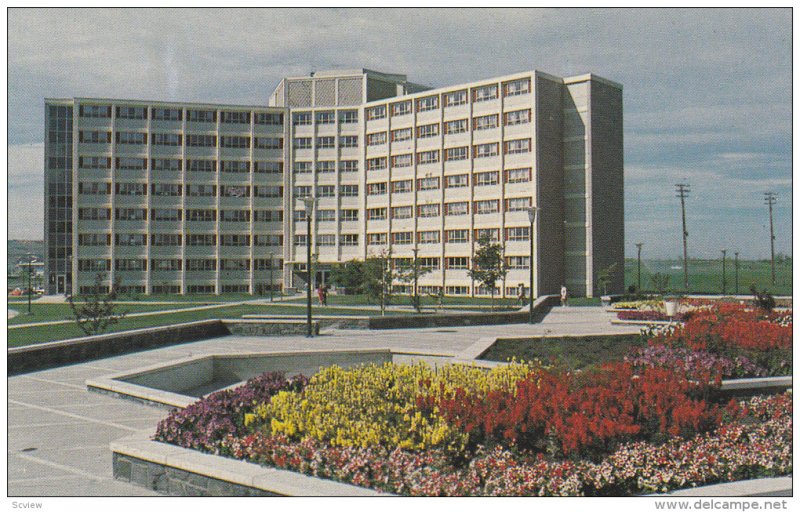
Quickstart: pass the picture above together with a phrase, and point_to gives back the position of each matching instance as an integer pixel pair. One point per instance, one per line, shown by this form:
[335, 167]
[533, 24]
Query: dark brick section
[462, 319]
[176, 482]
[59, 353]
[267, 328]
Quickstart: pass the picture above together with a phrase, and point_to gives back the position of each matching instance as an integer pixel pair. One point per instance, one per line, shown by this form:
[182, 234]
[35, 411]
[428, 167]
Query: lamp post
[309, 204]
[531, 217]
[639, 267]
[723, 270]
[30, 271]
[736, 271]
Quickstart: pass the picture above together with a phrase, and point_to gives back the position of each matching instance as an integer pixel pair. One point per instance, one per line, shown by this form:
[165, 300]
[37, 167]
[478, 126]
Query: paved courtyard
[58, 432]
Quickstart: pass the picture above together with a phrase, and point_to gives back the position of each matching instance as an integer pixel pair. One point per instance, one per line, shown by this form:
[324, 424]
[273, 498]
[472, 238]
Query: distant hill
[18, 249]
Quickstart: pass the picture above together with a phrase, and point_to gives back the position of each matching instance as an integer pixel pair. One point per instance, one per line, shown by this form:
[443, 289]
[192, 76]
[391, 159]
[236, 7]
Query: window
[268, 167]
[201, 116]
[131, 112]
[234, 215]
[207, 240]
[94, 137]
[456, 236]
[130, 214]
[461, 153]
[376, 189]
[326, 190]
[326, 166]
[94, 162]
[94, 265]
[484, 93]
[376, 139]
[487, 206]
[456, 209]
[429, 264]
[327, 117]
[94, 239]
[269, 240]
[96, 111]
[428, 157]
[376, 214]
[234, 240]
[302, 143]
[518, 262]
[517, 87]
[402, 160]
[201, 215]
[131, 138]
[457, 262]
[94, 188]
[348, 190]
[428, 237]
[167, 139]
[234, 117]
[234, 265]
[166, 240]
[326, 142]
[234, 166]
[427, 183]
[402, 108]
[486, 178]
[201, 141]
[402, 238]
[166, 214]
[348, 215]
[131, 164]
[204, 264]
[130, 264]
[517, 146]
[402, 134]
[130, 240]
[376, 164]
[402, 212]
[269, 118]
[452, 99]
[301, 167]
[517, 117]
[427, 103]
[230, 141]
[268, 143]
[351, 165]
[268, 216]
[484, 122]
[268, 191]
[234, 191]
[428, 210]
[402, 187]
[377, 112]
[302, 191]
[428, 130]
[348, 240]
[167, 114]
[517, 204]
[457, 181]
[326, 240]
[493, 235]
[348, 116]
[518, 234]
[348, 141]
[130, 189]
[485, 150]
[166, 164]
[166, 189]
[376, 238]
[457, 126]
[518, 175]
[326, 215]
[456, 290]
[201, 190]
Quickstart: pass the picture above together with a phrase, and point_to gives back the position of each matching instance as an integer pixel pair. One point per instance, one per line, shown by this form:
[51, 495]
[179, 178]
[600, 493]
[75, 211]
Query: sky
[707, 92]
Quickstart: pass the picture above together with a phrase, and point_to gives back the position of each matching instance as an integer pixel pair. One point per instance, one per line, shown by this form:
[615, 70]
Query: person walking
[564, 296]
[324, 295]
[521, 294]
[321, 295]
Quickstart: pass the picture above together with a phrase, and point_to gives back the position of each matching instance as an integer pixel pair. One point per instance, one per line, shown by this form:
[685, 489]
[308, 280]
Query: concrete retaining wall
[270, 327]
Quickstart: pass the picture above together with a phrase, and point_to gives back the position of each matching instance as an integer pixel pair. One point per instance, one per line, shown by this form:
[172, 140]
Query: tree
[660, 282]
[410, 273]
[349, 275]
[98, 310]
[487, 265]
[605, 276]
[377, 279]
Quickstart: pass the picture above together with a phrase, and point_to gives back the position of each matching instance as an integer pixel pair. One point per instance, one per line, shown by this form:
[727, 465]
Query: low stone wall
[540, 308]
[57, 353]
[325, 322]
[270, 327]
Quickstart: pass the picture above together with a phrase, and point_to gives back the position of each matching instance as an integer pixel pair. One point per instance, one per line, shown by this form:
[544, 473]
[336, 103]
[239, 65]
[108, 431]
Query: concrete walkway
[58, 432]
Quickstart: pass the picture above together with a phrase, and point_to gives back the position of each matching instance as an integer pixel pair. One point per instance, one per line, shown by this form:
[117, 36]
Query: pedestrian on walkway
[521, 294]
[564, 296]
[324, 295]
[321, 295]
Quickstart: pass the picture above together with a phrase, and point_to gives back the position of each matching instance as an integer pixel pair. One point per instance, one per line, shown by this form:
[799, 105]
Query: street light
[308, 201]
[639, 267]
[736, 270]
[531, 217]
[723, 270]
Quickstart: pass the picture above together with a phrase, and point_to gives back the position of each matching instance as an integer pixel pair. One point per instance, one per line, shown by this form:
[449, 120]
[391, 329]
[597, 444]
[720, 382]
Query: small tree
[660, 282]
[487, 264]
[349, 275]
[605, 276]
[377, 279]
[410, 273]
[98, 310]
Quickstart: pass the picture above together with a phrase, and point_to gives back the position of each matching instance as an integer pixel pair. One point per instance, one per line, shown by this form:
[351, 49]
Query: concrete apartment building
[204, 198]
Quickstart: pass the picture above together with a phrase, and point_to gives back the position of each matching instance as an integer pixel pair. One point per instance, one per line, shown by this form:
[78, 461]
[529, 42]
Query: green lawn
[573, 352]
[51, 312]
[705, 276]
[403, 300]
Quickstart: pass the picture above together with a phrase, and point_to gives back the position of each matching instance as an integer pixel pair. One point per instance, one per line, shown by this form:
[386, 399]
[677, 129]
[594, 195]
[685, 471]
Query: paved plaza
[58, 432]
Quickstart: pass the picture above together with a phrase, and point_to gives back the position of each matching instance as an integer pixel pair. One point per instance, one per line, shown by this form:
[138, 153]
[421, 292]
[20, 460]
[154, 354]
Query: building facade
[203, 198]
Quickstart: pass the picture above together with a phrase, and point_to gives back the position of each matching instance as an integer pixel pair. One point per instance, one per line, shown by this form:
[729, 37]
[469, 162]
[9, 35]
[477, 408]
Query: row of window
[327, 142]
[99, 265]
[510, 147]
[450, 209]
[325, 166]
[177, 114]
[324, 117]
[176, 190]
[176, 139]
[176, 164]
[169, 239]
[451, 236]
[479, 179]
[174, 214]
[345, 239]
[451, 99]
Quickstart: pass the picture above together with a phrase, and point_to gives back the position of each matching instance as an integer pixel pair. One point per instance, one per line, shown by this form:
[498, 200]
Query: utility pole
[736, 271]
[724, 283]
[683, 192]
[30, 290]
[639, 267]
[769, 199]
